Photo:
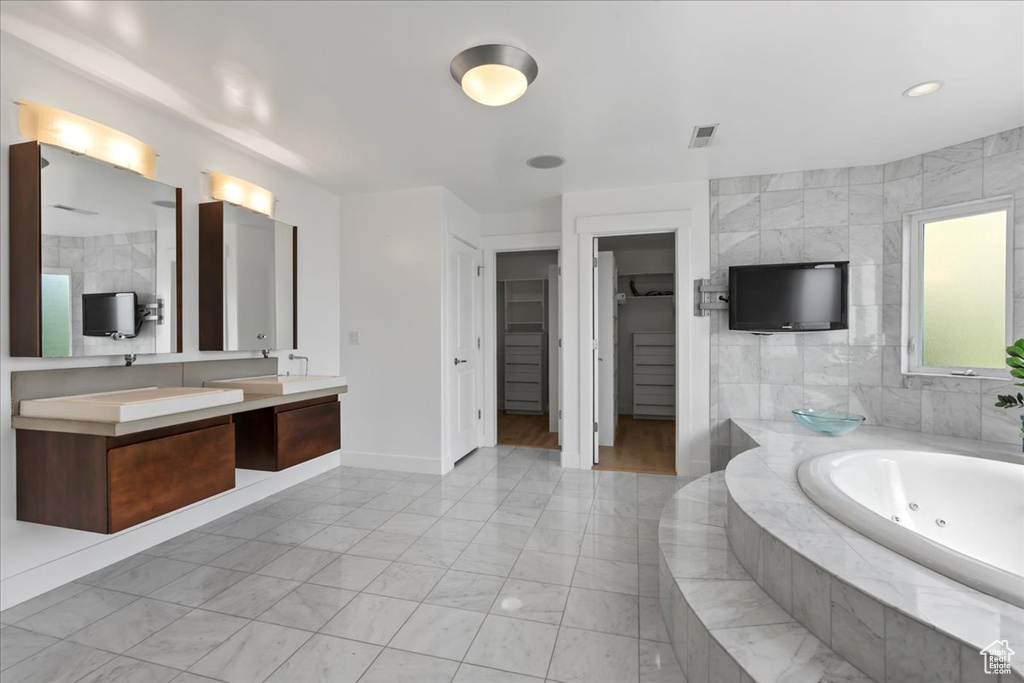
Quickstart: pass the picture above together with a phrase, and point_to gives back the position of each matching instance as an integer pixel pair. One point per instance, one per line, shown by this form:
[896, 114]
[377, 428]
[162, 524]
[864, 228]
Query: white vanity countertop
[129, 404]
[246, 403]
[762, 481]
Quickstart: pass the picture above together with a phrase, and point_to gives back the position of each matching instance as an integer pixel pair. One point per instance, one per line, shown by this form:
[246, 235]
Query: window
[958, 289]
[56, 312]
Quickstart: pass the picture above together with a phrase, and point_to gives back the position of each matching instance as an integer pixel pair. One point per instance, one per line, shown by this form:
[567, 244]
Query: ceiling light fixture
[83, 136]
[922, 89]
[545, 161]
[493, 75]
[241, 192]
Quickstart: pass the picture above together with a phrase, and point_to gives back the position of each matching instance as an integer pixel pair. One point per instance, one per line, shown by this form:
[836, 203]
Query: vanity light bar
[241, 192]
[84, 136]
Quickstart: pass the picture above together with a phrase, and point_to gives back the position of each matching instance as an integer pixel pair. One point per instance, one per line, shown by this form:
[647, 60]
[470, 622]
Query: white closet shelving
[525, 323]
[524, 372]
[660, 283]
[654, 375]
[525, 308]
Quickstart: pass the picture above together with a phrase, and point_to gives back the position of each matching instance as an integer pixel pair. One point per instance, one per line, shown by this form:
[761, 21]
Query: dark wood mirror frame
[25, 265]
[211, 279]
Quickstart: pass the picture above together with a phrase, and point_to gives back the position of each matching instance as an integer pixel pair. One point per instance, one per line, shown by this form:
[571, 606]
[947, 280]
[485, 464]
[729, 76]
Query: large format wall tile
[854, 214]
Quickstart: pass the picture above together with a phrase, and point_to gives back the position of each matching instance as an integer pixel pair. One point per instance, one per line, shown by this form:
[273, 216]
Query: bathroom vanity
[106, 461]
[109, 483]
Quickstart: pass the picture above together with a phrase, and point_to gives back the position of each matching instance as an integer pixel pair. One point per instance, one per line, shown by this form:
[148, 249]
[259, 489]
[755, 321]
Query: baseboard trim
[250, 487]
[392, 462]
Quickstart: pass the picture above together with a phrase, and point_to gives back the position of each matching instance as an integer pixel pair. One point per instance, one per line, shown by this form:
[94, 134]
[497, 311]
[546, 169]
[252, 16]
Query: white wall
[391, 294]
[692, 196]
[393, 247]
[185, 152]
[543, 217]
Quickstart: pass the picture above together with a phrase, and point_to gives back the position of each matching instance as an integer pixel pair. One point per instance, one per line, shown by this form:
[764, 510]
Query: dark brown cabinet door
[306, 433]
[148, 479]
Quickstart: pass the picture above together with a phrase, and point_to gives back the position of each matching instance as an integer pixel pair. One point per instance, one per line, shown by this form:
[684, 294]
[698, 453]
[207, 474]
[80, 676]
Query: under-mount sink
[280, 385]
[130, 404]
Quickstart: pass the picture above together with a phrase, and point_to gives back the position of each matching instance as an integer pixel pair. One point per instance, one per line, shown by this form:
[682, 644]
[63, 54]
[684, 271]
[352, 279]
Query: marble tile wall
[121, 262]
[853, 214]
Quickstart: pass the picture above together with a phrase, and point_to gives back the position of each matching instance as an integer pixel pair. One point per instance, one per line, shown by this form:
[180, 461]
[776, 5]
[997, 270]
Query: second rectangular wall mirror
[247, 280]
[95, 257]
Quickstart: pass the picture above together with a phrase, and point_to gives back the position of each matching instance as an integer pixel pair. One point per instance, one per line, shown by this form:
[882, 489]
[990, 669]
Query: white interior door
[553, 350]
[607, 351]
[464, 284]
[596, 367]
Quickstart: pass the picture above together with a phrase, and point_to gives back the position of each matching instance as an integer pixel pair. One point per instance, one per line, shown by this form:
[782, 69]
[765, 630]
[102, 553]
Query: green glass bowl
[828, 422]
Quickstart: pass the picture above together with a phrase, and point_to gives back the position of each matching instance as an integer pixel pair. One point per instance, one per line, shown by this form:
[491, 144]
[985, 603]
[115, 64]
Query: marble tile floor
[507, 570]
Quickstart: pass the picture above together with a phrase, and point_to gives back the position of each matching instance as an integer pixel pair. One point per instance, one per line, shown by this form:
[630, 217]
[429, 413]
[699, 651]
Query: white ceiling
[357, 95]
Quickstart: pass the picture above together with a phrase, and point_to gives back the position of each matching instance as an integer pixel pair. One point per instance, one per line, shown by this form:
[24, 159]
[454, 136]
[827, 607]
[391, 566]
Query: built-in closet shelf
[654, 375]
[524, 372]
[525, 305]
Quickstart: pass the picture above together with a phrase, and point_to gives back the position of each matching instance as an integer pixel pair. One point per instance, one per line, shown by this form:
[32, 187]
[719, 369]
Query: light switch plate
[353, 337]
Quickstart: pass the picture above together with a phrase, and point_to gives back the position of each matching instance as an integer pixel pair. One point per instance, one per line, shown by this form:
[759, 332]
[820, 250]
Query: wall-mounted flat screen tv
[789, 297]
[110, 313]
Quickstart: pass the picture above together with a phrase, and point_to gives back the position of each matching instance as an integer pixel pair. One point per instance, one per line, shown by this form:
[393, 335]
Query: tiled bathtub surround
[892, 618]
[724, 628]
[853, 214]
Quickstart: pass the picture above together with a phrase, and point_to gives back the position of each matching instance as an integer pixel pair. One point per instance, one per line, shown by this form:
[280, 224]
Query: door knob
[261, 336]
[457, 361]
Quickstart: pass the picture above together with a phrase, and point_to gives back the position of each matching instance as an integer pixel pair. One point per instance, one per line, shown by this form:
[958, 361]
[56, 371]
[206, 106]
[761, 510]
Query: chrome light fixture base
[496, 56]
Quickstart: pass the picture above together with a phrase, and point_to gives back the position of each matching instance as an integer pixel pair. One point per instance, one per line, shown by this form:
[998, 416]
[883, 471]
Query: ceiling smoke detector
[545, 161]
[702, 135]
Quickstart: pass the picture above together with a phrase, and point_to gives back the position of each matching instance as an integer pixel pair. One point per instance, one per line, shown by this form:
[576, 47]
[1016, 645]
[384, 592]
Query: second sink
[279, 385]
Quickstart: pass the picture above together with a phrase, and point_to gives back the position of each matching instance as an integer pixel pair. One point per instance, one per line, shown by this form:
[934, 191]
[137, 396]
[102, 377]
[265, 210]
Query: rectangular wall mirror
[247, 280]
[95, 257]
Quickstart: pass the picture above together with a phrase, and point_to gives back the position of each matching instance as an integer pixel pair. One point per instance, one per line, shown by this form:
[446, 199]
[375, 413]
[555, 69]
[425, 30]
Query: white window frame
[912, 362]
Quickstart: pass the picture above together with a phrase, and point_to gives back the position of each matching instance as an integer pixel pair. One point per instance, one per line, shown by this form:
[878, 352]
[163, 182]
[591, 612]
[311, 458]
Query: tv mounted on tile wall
[789, 297]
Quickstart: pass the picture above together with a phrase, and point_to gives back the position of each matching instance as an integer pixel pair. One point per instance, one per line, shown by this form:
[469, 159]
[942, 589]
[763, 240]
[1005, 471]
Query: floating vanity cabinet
[281, 436]
[654, 375]
[109, 483]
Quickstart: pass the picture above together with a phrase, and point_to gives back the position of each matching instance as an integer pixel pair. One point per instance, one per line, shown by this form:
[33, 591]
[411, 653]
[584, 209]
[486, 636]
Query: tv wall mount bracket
[708, 297]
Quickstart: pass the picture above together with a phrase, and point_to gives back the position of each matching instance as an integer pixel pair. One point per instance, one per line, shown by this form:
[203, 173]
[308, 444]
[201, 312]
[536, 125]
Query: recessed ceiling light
[493, 75]
[545, 161]
[922, 89]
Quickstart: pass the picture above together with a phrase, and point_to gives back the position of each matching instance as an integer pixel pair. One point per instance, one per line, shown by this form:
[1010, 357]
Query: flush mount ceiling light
[545, 161]
[494, 75]
[922, 89]
[241, 192]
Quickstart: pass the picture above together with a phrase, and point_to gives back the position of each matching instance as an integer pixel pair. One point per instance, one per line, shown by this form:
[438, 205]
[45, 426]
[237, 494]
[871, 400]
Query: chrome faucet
[292, 356]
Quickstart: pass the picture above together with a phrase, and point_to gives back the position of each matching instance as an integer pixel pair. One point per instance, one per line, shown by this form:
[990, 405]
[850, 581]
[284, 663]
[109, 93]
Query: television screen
[789, 297]
[109, 313]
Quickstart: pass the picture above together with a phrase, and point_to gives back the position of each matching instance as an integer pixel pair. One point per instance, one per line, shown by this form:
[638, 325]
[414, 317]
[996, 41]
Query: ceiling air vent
[65, 207]
[702, 135]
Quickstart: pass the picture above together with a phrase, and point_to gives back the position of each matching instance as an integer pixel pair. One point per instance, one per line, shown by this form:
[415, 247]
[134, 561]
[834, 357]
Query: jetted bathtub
[960, 516]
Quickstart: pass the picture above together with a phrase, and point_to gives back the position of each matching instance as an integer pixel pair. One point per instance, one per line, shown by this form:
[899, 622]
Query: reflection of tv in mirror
[110, 314]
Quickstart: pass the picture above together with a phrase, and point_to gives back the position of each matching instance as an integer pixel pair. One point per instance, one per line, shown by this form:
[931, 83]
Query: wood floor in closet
[641, 446]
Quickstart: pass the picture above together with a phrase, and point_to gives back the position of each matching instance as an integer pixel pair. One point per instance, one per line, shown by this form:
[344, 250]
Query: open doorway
[635, 371]
[527, 358]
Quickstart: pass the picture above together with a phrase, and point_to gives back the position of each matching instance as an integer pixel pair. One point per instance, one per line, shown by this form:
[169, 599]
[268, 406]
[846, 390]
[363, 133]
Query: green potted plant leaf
[1014, 361]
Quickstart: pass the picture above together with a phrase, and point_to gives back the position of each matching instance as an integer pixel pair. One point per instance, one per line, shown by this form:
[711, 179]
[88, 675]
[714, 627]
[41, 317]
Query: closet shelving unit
[525, 321]
[647, 282]
[525, 308]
